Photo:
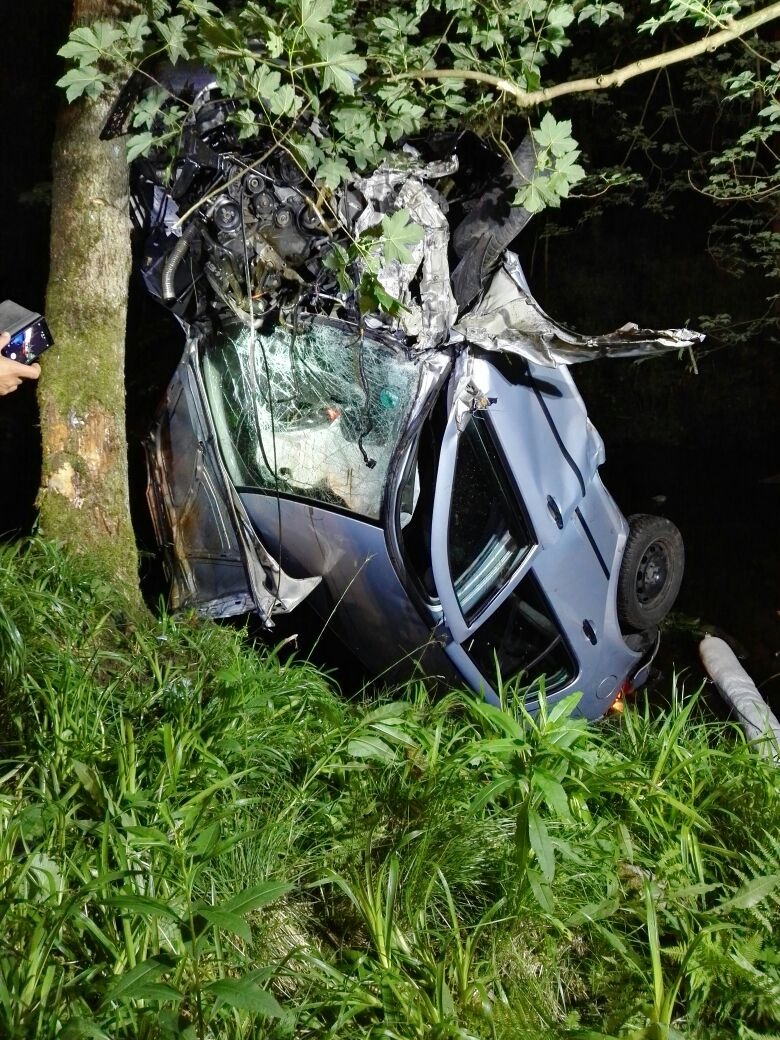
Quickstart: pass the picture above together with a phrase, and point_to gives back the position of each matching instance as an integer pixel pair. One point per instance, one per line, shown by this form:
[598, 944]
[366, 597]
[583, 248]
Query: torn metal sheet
[467, 397]
[273, 591]
[507, 318]
[388, 190]
[198, 513]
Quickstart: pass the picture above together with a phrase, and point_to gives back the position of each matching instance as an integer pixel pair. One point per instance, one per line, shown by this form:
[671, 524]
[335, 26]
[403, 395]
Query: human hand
[12, 373]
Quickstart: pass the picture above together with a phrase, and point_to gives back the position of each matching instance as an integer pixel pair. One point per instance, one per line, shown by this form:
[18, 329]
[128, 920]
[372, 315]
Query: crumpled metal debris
[508, 318]
[393, 188]
[492, 223]
[467, 396]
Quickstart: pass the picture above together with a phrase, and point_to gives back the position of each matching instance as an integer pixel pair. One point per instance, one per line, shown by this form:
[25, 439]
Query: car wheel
[651, 572]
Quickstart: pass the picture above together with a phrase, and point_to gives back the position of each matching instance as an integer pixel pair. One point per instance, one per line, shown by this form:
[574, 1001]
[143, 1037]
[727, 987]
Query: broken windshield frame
[314, 412]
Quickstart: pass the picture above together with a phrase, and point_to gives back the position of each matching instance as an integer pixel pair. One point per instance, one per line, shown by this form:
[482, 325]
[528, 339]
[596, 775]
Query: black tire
[651, 572]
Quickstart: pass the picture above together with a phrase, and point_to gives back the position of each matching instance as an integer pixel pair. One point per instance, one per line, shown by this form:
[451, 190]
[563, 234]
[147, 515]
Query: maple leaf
[398, 232]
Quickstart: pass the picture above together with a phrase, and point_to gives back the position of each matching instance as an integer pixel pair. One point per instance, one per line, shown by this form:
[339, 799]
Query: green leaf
[157, 8]
[158, 991]
[539, 838]
[206, 839]
[85, 53]
[541, 890]
[308, 151]
[488, 39]
[254, 897]
[139, 144]
[144, 906]
[89, 781]
[221, 34]
[594, 911]
[313, 19]
[564, 709]
[128, 985]
[148, 107]
[352, 120]
[245, 995]
[337, 259]
[559, 16]
[230, 922]
[136, 30]
[200, 8]
[751, 893]
[552, 792]
[88, 43]
[264, 81]
[534, 196]
[174, 33]
[371, 747]
[148, 836]
[86, 80]
[274, 44]
[373, 297]
[599, 13]
[105, 35]
[403, 117]
[398, 25]
[332, 172]
[386, 712]
[399, 232]
[285, 101]
[81, 1029]
[342, 65]
[554, 136]
[246, 122]
[566, 167]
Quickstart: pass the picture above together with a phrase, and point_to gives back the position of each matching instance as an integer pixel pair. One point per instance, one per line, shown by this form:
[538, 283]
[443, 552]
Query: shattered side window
[314, 412]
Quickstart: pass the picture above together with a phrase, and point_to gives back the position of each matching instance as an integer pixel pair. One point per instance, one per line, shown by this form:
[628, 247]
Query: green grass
[199, 840]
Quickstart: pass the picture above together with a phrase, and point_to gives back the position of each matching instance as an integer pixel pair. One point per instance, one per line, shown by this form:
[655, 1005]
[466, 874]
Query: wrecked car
[426, 476]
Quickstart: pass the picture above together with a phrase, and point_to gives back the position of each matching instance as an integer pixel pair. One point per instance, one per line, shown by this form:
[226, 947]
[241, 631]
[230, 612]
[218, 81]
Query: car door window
[488, 535]
[521, 639]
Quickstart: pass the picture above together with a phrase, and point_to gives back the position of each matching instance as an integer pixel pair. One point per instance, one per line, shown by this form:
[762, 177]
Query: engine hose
[171, 265]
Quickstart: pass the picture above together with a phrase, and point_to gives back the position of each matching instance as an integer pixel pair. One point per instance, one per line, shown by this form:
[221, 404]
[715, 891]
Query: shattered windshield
[314, 412]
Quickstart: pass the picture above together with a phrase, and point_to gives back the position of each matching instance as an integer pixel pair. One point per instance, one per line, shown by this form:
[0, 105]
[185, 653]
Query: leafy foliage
[350, 68]
[197, 839]
[337, 85]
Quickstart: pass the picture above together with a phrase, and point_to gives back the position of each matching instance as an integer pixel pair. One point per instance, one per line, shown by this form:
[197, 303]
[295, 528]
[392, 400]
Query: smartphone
[29, 332]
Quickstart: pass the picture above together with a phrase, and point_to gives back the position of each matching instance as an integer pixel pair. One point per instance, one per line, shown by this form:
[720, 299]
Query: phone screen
[28, 343]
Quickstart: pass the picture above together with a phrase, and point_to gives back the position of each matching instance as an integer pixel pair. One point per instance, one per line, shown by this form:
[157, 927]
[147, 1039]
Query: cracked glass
[314, 412]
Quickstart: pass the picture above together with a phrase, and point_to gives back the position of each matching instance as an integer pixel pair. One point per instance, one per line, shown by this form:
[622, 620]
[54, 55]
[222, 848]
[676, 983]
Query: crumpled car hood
[505, 316]
[508, 318]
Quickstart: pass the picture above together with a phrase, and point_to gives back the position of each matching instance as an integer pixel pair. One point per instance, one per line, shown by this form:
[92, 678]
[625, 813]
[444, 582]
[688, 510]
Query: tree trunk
[84, 500]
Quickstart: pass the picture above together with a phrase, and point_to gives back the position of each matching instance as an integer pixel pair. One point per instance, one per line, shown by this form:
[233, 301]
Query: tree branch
[736, 27]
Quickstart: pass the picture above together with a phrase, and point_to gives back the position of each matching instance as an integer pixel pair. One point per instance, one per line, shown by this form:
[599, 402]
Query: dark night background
[702, 449]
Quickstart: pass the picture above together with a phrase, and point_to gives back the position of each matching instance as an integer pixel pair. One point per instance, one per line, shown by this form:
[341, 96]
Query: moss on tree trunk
[84, 499]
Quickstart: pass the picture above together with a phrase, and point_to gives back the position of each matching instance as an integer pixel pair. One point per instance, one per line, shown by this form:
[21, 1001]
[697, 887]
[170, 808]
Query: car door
[215, 560]
[487, 535]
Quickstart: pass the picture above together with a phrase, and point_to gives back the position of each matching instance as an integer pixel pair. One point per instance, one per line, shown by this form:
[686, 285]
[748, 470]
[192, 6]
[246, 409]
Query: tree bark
[84, 499]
